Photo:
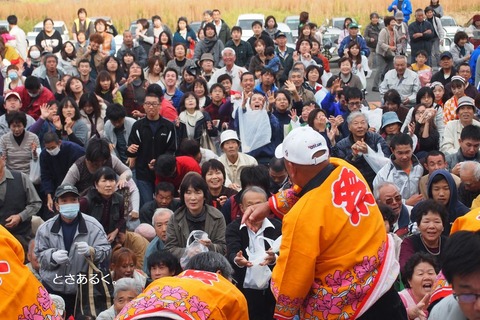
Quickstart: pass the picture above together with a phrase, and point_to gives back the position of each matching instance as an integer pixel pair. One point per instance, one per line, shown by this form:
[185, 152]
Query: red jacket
[185, 164]
[31, 106]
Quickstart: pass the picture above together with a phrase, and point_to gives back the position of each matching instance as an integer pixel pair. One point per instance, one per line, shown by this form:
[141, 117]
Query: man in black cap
[63, 243]
[447, 71]
[285, 54]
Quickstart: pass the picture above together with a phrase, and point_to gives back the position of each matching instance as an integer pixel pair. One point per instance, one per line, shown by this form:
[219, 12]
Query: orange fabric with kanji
[23, 297]
[467, 222]
[196, 294]
[333, 245]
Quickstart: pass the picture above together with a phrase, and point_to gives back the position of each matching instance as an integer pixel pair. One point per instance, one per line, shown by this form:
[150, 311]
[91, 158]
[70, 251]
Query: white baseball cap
[300, 146]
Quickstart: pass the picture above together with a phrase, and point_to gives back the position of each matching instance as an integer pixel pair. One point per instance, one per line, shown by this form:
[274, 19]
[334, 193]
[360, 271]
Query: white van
[244, 21]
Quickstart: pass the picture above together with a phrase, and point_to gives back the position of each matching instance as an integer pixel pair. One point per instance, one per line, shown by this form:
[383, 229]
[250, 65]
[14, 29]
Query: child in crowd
[424, 72]
[162, 264]
[273, 60]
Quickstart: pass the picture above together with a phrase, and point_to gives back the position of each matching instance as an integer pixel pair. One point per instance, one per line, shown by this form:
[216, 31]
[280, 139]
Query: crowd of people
[197, 175]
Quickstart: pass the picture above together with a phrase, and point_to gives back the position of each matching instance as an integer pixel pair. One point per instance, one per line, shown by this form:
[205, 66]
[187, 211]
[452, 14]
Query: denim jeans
[146, 189]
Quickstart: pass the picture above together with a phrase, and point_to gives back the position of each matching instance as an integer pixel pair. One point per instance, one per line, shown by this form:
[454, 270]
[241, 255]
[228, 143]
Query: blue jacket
[364, 50]
[473, 64]
[406, 9]
[177, 38]
[455, 208]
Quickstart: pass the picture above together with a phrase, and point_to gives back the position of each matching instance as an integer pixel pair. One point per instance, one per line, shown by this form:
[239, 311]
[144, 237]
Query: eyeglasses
[151, 104]
[389, 201]
[467, 297]
[355, 104]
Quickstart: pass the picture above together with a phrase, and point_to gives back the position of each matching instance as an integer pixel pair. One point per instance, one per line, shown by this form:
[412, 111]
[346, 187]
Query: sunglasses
[389, 201]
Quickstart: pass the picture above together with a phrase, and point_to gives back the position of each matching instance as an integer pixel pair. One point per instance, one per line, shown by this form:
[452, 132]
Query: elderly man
[65, 241]
[294, 85]
[421, 34]
[233, 160]
[465, 111]
[389, 194]
[470, 187]
[18, 203]
[12, 102]
[317, 249]
[159, 221]
[50, 73]
[124, 291]
[404, 80]
[361, 144]
[228, 56]
[403, 169]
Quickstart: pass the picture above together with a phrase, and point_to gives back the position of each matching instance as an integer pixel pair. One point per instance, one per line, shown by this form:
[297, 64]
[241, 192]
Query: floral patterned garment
[22, 296]
[330, 268]
[192, 294]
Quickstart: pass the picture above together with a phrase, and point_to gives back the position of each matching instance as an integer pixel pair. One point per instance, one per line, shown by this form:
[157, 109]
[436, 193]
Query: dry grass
[124, 11]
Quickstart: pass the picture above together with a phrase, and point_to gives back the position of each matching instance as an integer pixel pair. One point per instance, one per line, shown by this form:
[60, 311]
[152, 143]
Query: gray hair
[212, 262]
[354, 115]
[228, 49]
[126, 284]
[380, 186]
[473, 166]
[400, 57]
[159, 212]
[253, 189]
[295, 70]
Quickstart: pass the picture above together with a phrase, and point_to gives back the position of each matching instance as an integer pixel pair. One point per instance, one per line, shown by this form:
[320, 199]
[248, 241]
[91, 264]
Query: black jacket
[151, 145]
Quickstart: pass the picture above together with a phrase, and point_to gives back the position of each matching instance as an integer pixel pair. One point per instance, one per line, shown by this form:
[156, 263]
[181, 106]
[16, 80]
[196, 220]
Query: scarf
[462, 51]
[209, 43]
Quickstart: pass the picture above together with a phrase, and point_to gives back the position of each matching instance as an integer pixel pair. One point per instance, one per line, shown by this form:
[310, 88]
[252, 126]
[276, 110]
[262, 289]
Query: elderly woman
[195, 214]
[19, 146]
[419, 277]
[213, 171]
[104, 204]
[360, 144]
[430, 218]
[125, 290]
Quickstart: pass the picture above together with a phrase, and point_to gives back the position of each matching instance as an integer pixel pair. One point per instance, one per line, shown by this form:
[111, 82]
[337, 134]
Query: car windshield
[247, 24]
[448, 22]
[292, 24]
[338, 23]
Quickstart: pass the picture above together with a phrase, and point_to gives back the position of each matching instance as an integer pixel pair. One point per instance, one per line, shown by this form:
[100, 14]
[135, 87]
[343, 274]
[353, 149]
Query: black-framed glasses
[466, 297]
[389, 201]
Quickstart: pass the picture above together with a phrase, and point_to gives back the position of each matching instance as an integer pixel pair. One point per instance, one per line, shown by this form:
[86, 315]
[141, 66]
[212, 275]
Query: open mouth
[427, 286]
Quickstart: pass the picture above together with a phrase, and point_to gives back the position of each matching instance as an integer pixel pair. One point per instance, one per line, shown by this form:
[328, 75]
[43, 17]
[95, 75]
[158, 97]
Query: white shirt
[20, 41]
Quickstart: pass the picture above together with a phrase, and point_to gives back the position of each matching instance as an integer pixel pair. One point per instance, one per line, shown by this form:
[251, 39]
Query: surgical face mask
[53, 152]
[34, 54]
[13, 75]
[70, 210]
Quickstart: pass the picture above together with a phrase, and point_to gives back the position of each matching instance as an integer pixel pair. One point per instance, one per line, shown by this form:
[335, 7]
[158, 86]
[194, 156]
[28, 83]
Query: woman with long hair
[154, 71]
[163, 48]
[360, 66]
[425, 130]
[68, 123]
[67, 62]
[74, 88]
[184, 33]
[93, 113]
[113, 66]
[106, 89]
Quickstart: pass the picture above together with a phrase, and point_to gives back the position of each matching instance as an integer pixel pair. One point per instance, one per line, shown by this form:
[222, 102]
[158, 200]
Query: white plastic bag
[193, 248]
[376, 160]
[35, 171]
[257, 276]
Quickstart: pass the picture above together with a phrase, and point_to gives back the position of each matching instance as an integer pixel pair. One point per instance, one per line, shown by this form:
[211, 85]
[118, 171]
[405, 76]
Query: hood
[451, 184]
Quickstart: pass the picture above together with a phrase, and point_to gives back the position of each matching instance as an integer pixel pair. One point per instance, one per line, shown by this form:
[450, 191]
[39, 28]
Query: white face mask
[53, 152]
[34, 54]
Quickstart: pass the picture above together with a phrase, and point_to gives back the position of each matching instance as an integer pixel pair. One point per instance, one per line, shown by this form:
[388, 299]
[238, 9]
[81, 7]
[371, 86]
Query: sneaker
[375, 89]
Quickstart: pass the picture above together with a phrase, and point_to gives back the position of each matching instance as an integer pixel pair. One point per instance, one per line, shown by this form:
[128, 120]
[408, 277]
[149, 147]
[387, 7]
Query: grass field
[123, 12]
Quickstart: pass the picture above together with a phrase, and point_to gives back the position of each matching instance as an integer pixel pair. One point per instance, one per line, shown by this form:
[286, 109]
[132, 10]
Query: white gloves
[82, 248]
[60, 256]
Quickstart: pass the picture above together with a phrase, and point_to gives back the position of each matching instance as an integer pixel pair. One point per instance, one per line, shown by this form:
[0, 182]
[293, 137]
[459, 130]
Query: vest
[79, 26]
[17, 201]
[86, 178]
[96, 209]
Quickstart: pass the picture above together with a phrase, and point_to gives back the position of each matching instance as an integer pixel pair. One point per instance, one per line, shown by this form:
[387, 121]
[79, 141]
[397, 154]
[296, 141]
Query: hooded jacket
[455, 208]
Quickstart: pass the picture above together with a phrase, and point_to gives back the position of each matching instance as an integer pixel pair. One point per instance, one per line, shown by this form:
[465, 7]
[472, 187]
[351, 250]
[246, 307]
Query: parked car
[244, 21]
[450, 26]
[292, 22]
[4, 23]
[195, 25]
[58, 25]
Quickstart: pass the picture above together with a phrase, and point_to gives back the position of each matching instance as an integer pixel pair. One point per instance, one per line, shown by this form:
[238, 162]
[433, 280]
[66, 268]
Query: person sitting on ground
[162, 264]
[124, 291]
[124, 265]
